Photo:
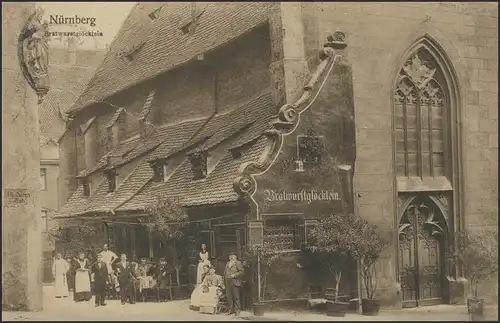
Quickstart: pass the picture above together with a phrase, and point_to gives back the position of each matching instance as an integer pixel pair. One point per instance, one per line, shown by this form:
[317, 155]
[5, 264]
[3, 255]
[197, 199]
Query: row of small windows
[310, 151]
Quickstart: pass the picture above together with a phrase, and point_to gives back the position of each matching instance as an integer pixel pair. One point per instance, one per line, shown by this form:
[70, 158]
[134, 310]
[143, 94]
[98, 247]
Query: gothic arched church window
[421, 116]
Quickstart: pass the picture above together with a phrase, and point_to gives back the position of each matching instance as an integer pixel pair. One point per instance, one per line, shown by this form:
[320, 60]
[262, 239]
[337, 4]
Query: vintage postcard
[250, 161]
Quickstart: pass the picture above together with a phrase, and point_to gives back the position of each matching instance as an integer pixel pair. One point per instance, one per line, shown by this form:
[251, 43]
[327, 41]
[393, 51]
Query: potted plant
[370, 246]
[267, 255]
[477, 253]
[334, 242]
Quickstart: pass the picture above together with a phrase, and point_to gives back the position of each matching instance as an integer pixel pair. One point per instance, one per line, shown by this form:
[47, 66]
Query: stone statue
[33, 53]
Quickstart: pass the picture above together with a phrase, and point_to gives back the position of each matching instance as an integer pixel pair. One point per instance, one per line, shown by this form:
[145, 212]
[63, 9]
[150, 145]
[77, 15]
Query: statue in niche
[33, 54]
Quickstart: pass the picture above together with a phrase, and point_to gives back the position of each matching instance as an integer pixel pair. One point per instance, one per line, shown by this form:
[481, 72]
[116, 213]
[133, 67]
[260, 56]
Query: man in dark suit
[101, 279]
[126, 278]
[161, 273]
[232, 279]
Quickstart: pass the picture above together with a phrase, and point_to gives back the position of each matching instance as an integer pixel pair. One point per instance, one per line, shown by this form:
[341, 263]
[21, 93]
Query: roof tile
[166, 47]
[216, 188]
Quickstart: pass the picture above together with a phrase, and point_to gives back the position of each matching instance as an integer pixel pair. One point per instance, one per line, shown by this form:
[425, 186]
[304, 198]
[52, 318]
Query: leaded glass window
[421, 109]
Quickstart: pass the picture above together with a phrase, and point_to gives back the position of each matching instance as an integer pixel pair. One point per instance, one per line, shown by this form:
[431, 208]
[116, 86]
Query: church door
[421, 265]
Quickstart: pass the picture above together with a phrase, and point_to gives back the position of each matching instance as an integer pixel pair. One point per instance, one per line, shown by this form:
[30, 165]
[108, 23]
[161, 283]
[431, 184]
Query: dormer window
[199, 164]
[310, 149]
[190, 26]
[130, 53]
[154, 14]
[86, 181]
[111, 177]
[158, 171]
[236, 153]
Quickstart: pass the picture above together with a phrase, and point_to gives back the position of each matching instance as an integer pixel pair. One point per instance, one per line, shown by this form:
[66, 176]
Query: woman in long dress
[198, 291]
[59, 270]
[204, 255]
[82, 279]
[212, 285]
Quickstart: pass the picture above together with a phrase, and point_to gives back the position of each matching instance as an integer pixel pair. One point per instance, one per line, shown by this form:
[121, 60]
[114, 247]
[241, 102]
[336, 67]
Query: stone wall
[378, 34]
[21, 225]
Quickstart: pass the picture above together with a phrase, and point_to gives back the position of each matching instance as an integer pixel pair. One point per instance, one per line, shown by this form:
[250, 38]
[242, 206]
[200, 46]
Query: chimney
[72, 50]
[193, 12]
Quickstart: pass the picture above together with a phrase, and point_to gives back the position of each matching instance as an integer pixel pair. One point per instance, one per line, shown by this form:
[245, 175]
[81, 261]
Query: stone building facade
[186, 121]
[71, 68]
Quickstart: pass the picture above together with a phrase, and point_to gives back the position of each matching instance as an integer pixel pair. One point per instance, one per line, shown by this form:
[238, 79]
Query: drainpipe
[258, 279]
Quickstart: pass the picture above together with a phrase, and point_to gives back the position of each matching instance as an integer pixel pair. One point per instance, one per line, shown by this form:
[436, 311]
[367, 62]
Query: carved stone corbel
[33, 54]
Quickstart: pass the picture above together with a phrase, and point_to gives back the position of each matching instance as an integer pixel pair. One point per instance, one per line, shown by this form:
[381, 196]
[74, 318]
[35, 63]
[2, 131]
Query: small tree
[75, 239]
[170, 220]
[269, 256]
[334, 241]
[371, 245]
[477, 252]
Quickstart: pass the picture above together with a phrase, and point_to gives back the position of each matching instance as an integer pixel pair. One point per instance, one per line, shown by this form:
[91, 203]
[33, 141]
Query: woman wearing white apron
[82, 279]
[59, 270]
[203, 262]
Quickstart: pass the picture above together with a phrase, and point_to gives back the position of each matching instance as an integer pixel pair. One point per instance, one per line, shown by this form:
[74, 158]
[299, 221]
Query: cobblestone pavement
[67, 310]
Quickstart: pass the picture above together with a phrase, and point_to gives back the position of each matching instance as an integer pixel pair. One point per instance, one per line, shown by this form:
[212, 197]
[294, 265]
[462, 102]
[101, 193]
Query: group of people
[110, 271]
[211, 288]
[107, 272]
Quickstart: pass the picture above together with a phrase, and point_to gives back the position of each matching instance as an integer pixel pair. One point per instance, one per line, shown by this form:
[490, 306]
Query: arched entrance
[422, 240]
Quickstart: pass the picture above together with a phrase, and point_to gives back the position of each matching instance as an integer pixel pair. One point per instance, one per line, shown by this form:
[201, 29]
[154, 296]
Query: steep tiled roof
[167, 138]
[66, 82]
[242, 125]
[216, 188]
[164, 45]
[225, 125]
[103, 201]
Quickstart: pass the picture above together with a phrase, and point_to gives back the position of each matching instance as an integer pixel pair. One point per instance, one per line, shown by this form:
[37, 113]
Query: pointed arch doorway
[422, 243]
[426, 108]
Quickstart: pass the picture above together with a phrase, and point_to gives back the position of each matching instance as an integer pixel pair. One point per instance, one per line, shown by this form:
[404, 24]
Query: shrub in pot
[334, 242]
[477, 253]
[268, 256]
[370, 245]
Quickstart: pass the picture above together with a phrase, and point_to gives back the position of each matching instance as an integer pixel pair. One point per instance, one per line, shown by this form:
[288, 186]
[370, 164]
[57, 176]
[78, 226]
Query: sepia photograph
[250, 161]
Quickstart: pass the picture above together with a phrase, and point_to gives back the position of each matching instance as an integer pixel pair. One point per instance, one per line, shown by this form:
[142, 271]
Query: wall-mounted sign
[302, 196]
[16, 197]
[312, 172]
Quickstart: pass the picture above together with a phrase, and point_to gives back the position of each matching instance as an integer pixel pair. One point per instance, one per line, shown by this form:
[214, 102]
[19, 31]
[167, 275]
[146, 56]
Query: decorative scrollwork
[287, 113]
[33, 54]
[407, 277]
[419, 71]
[244, 185]
[443, 199]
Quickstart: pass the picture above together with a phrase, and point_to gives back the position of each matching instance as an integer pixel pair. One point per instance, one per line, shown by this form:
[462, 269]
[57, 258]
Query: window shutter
[256, 232]
[308, 225]
[299, 236]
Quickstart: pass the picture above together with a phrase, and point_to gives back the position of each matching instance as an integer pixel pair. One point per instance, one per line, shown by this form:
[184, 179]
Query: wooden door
[421, 266]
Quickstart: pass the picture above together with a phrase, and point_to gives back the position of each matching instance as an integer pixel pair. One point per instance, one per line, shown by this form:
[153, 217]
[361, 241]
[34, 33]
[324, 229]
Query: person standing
[101, 279]
[203, 261]
[161, 273]
[70, 274]
[232, 279]
[108, 257]
[82, 279]
[126, 277]
[60, 269]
